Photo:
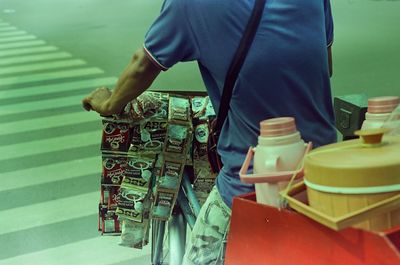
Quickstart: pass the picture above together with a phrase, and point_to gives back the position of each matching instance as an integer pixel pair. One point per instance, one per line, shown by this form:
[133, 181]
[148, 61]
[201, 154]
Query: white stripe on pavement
[39, 123]
[12, 33]
[40, 175]
[47, 213]
[22, 44]
[34, 58]
[22, 51]
[64, 86]
[18, 38]
[8, 28]
[47, 104]
[57, 144]
[49, 76]
[41, 66]
[102, 250]
[4, 24]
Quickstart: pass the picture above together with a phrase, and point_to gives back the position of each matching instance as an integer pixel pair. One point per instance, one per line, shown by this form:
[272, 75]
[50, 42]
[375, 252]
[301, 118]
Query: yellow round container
[348, 176]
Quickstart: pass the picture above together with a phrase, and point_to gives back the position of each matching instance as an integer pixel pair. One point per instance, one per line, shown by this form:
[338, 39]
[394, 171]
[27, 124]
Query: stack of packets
[174, 156]
[144, 153]
[115, 144]
[204, 178]
[149, 114]
[129, 157]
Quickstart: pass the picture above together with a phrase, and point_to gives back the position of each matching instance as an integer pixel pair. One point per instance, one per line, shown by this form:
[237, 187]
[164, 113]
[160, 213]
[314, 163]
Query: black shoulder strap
[238, 60]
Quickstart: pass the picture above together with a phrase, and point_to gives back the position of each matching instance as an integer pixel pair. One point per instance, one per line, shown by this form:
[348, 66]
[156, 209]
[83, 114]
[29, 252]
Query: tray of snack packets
[144, 152]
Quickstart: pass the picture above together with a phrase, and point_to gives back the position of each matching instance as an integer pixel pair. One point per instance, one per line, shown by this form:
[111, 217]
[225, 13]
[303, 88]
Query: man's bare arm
[135, 79]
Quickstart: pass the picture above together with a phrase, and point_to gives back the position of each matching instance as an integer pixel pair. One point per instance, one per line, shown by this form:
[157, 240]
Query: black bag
[230, 80]
[213, 157]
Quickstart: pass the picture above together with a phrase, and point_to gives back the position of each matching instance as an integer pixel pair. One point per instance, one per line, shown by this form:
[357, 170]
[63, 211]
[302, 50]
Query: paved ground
[104, 33]
[53, 52]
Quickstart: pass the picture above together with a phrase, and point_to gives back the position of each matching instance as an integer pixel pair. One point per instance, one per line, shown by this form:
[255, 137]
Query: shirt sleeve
[170, 39]
[328, 23]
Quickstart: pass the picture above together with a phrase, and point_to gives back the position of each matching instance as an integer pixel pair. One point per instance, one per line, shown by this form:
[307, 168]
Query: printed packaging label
[149, 105]
[204, 185]
[116, 136]
[171, 175]
[201, 133]
[158, 165]
[109, 195]
[177, 140]
[163, 205]
[138, 172]
[179, 110]
[202, 108]
[205, 179]
[132, 204]
[149, 136]
[113, 168]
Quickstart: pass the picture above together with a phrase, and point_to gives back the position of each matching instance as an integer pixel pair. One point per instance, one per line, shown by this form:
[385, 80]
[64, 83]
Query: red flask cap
[277, 127]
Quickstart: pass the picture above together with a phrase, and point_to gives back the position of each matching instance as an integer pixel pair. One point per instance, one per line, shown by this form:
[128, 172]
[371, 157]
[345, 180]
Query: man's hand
[135, 79]
[98, 101]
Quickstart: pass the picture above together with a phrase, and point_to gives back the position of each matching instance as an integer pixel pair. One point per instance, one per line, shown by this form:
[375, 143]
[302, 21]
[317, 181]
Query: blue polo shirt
[285, 72]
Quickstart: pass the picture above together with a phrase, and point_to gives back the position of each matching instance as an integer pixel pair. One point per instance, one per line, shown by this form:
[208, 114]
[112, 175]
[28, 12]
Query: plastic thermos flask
[379, 111]
[280, 148]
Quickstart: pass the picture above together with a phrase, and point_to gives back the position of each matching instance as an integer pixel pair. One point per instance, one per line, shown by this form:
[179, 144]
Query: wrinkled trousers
[208, 238]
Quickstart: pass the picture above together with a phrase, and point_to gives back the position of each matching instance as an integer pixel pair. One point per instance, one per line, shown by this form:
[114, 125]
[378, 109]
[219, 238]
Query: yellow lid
[364, 162]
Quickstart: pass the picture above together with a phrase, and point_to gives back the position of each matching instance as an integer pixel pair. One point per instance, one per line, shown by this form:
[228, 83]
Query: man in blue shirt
[286, 73]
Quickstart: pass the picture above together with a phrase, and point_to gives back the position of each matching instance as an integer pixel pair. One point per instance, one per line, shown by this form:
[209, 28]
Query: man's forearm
[135, 79]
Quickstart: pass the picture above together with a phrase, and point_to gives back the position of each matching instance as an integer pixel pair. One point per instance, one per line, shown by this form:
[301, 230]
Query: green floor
[53, 52]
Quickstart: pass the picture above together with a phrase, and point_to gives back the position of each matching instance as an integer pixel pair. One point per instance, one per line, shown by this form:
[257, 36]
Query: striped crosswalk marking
[17, 38]
[7, 28]
[41, 105]
[22, 44]
[34, 58]
[92, 254]
[21, 178]
[47, 123]
[12, 33]
[49, 145]
[49, 76]
[76, 206]
[64, 86]
[22, 51]
[60, 81]
[41, 66]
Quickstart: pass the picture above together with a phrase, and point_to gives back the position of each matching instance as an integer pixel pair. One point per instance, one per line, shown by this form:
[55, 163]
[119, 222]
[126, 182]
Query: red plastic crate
[260, 234]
